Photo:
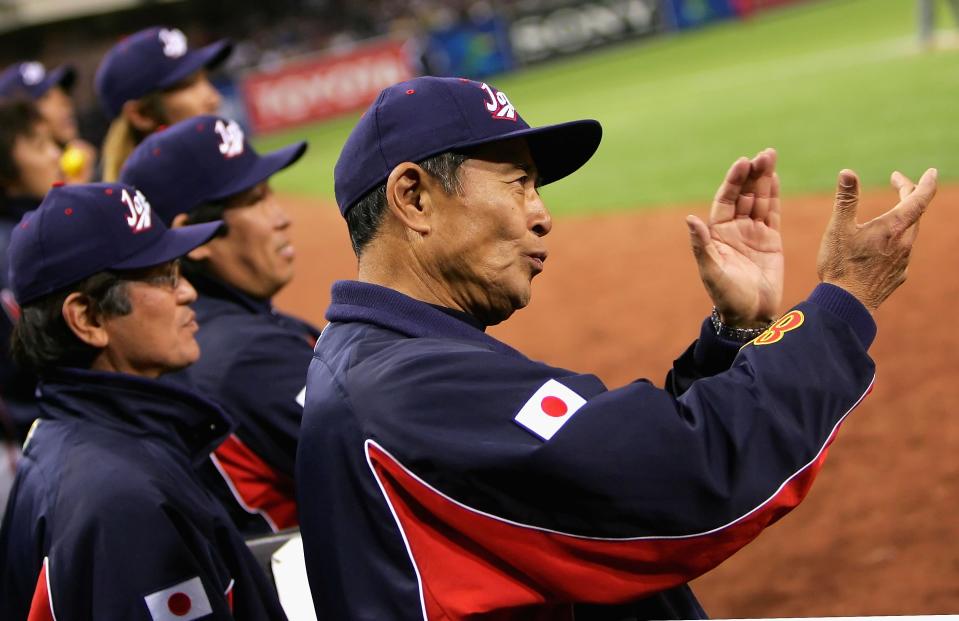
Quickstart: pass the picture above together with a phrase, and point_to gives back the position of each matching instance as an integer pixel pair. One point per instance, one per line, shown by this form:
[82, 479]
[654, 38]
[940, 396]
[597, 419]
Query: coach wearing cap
[443, 475]
[29, 166]
[149, 79]
[254, 357]
[49, 89]
[107, 520]
[51, 92]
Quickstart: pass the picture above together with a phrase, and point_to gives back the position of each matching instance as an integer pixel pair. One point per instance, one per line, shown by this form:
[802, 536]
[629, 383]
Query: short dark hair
[41, 338]
[207, 212]
[363, 219]
[18, 117]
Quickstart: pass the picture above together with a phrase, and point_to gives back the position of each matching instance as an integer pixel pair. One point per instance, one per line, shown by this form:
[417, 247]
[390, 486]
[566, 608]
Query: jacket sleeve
[136, 561]
[707, 356]
[636, 490]
[262, 391]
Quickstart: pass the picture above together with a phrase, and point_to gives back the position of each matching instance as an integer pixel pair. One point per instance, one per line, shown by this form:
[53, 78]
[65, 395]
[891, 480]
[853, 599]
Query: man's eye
[522, 180]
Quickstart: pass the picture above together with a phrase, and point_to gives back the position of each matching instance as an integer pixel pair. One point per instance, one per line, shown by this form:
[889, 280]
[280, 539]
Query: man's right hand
[870, 260]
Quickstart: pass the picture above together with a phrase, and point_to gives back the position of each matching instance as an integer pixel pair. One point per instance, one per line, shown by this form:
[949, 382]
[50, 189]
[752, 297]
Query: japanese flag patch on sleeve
[184, 601]
[550, 407]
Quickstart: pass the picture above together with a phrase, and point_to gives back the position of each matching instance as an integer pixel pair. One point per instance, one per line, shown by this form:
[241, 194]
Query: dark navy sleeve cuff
[844, 305]
[712, 353]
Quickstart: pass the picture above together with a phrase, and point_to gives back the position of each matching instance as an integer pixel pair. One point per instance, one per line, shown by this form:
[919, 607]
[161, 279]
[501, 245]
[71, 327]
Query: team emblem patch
[32, 73]
[183, 602]
[231, 138]
[174, 42]
[498, 104]
[774, 333]
[139, 211]
[549, 409]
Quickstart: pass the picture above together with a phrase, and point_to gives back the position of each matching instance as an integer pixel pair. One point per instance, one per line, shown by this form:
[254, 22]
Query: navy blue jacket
[429, 490]
[18, 408]
[253, 362]
[106, 510]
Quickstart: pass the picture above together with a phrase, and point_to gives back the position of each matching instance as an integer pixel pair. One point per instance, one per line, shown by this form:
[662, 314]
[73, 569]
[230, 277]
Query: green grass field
[830, 84]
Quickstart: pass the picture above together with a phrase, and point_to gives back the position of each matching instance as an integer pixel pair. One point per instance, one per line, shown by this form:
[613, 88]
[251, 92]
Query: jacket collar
[214, 288]
[137, 406]
[368, 303]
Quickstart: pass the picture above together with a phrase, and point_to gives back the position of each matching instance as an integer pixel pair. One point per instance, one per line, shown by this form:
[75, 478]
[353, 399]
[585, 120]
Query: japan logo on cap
[174, 42]
[184, 601]
[32, 73]
[231, 138]
[139, 211]
[550, 407]
[498, 104]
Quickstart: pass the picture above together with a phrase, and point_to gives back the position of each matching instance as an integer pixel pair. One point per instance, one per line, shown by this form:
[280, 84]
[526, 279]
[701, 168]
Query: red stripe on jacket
[41, 608]
[256, 486]
[470, 562]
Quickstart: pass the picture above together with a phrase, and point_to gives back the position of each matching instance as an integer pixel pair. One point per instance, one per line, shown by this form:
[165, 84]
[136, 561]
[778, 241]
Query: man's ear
[135, 112]
[409, 196]
[179, 220]
[83, 321]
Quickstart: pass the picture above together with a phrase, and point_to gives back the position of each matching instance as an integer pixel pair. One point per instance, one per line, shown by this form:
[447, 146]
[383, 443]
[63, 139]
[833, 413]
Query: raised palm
[739, 253]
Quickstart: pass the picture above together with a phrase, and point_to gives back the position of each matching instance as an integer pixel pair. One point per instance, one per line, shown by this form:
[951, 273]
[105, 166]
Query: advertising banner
[684, 14]
[311, 90]
[544, 29]
[473, 49]
[745, 7]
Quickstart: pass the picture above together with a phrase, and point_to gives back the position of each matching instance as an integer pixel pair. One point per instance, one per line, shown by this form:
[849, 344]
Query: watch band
[740, 335]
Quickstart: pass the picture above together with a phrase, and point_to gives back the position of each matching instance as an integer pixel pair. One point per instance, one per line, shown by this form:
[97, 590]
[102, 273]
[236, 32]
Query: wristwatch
[740, 335]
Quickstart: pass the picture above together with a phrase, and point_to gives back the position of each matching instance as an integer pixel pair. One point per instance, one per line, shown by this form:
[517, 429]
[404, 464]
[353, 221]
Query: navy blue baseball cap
[79, 230]
[32, 79]
[198, 161]
[151, 60]
[425, 116]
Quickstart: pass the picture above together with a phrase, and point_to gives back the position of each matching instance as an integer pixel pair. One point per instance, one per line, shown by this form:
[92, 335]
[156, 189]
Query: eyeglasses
[166, 275]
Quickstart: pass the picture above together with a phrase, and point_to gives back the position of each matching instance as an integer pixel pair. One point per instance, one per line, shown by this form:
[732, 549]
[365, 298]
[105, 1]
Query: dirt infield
[620, 297]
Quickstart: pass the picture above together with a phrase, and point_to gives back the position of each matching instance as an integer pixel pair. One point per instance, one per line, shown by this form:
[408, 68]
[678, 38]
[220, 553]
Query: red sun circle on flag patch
[179, 604]
[553, 406]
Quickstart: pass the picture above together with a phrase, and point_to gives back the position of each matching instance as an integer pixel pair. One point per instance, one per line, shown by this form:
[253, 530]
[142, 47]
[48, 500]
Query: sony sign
[552, 30]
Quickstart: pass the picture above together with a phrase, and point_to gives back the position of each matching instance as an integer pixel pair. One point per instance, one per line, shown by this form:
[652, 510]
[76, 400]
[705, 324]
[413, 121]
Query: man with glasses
[107, 520]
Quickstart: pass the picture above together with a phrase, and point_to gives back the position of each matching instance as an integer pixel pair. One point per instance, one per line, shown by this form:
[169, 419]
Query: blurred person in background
[50, 90]
[254, 357]
[107, 519]
[29, 165]
[151, 79]
[927, 19]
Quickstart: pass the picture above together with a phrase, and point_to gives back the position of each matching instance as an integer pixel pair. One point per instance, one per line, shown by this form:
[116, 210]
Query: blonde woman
[149, 79]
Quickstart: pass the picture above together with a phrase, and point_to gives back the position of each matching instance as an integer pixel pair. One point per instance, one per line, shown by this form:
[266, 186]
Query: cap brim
[207, 57]
[173, 244]
[264, 168]
[558, 150]
[215, 53]
[63, 76]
